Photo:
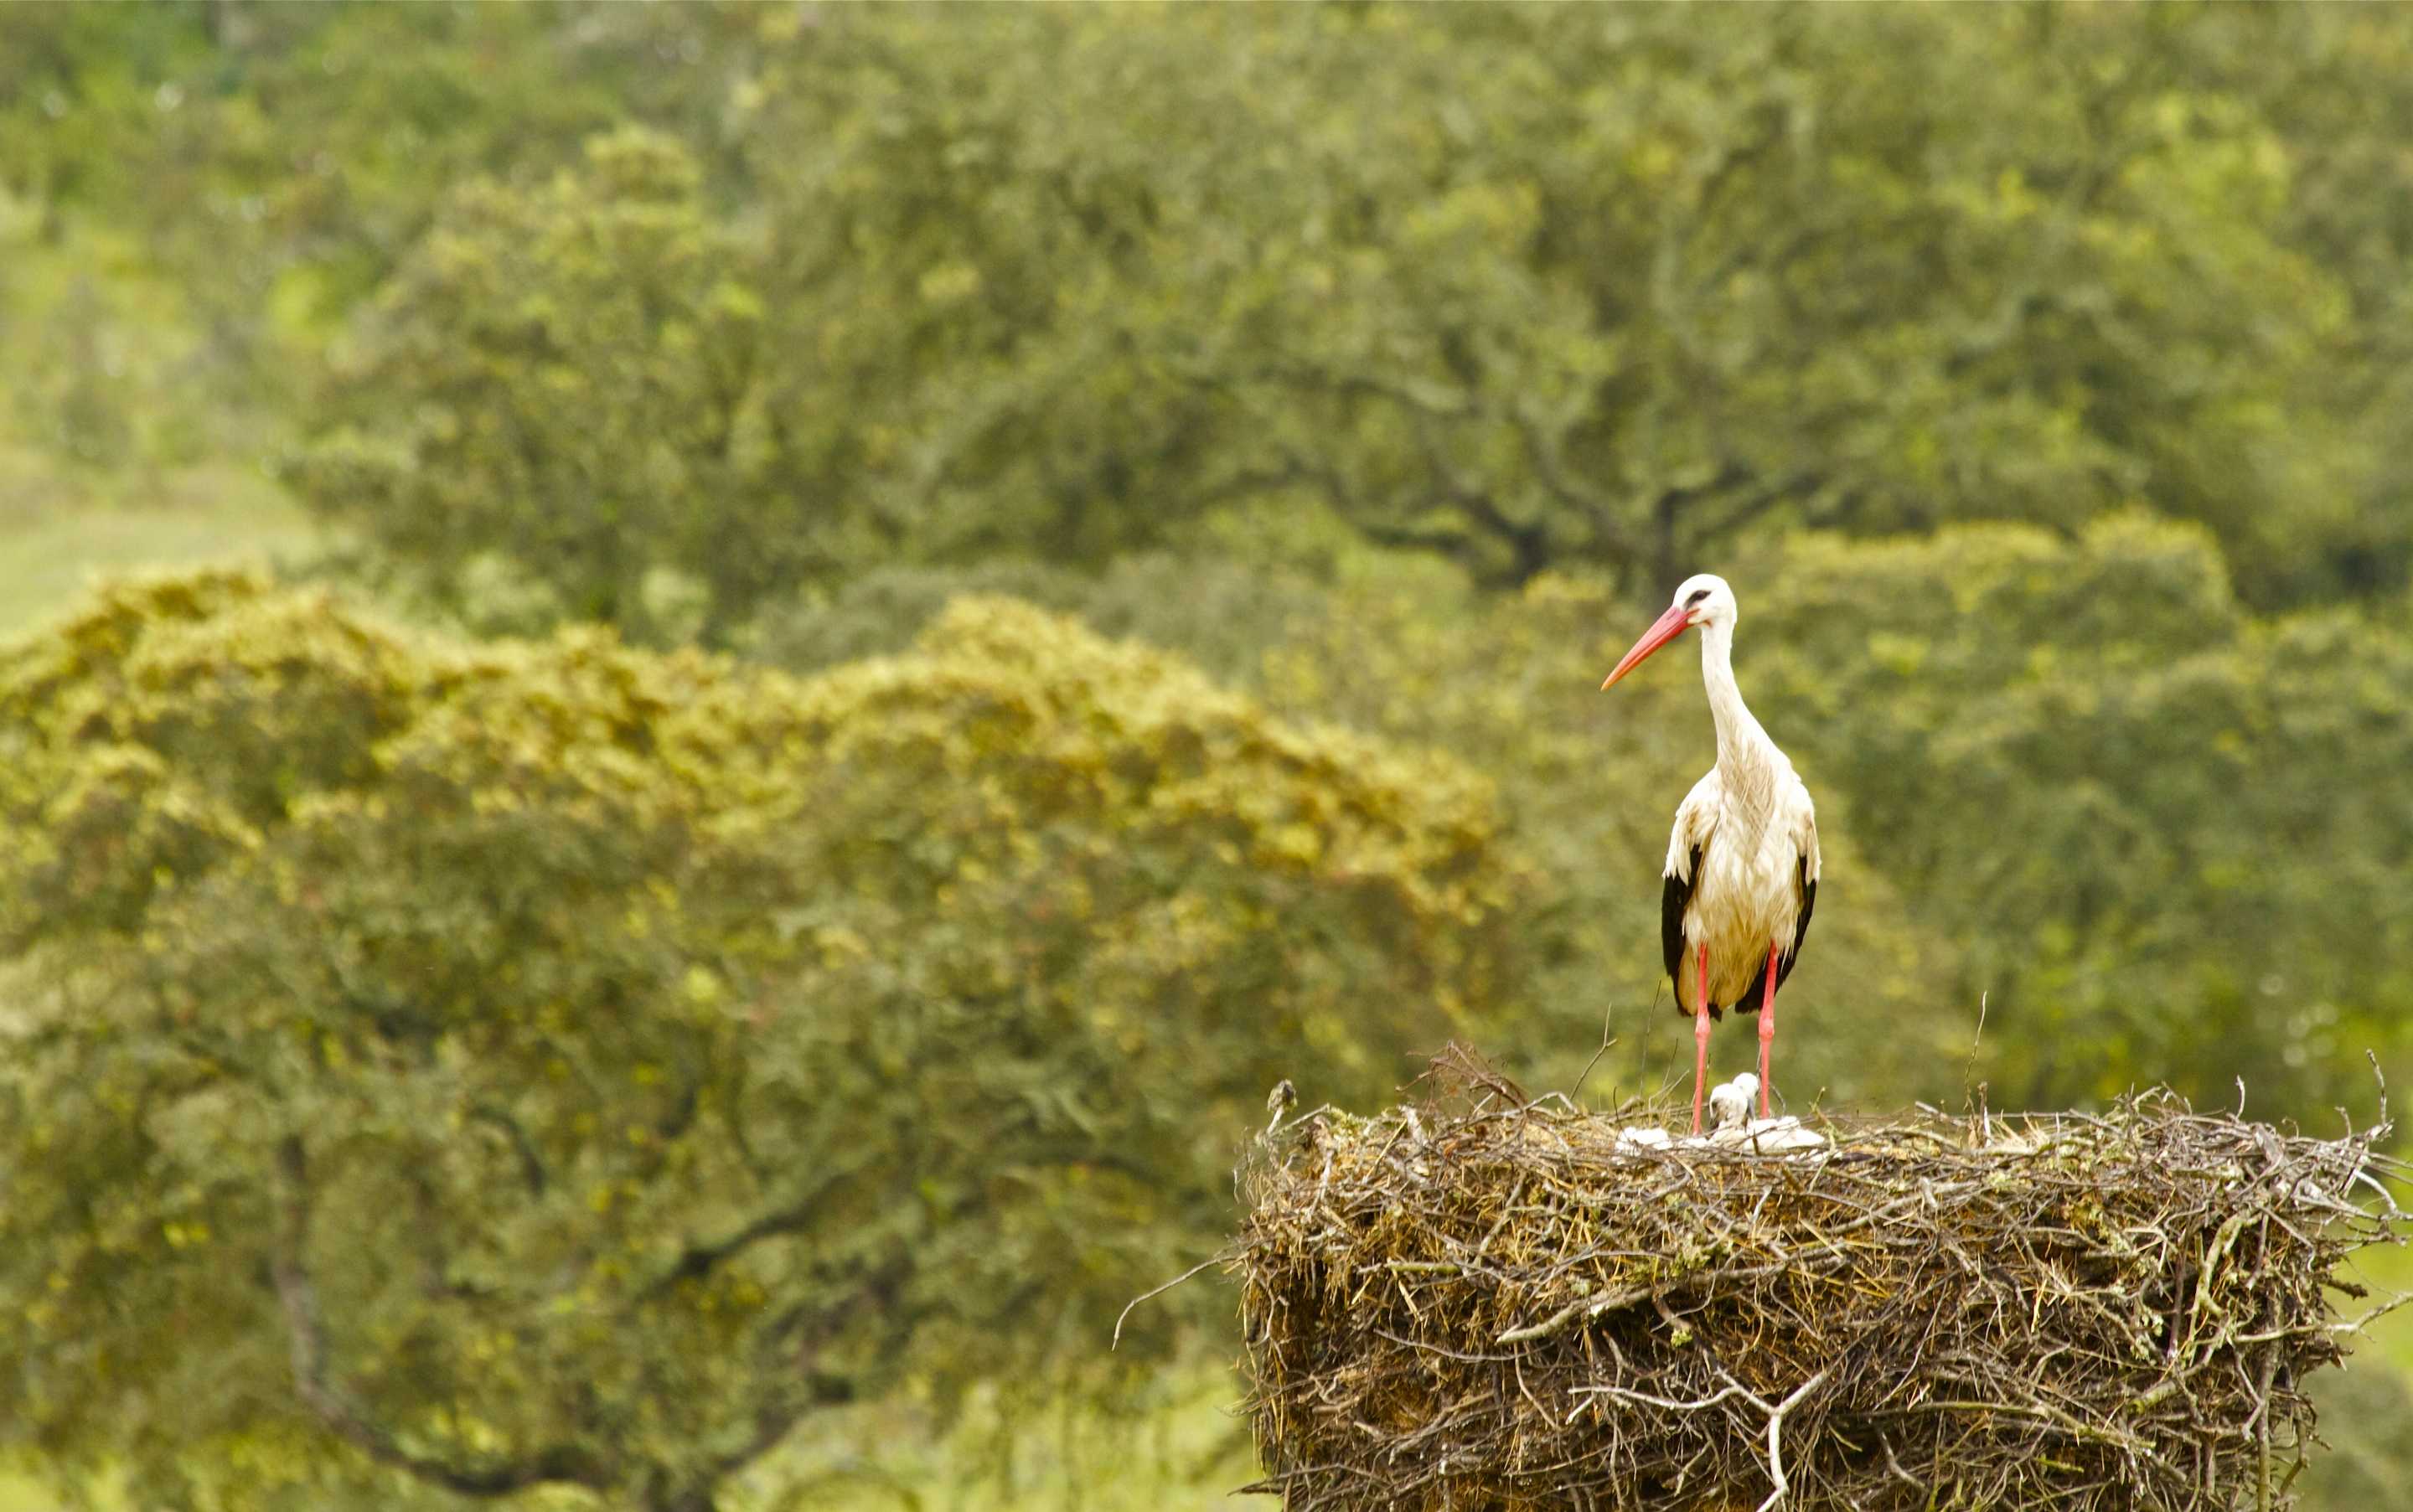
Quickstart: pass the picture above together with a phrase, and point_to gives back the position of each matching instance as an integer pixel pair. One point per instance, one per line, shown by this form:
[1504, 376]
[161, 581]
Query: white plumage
[1742, 864]
[1730, 1103]
[1734, 1126]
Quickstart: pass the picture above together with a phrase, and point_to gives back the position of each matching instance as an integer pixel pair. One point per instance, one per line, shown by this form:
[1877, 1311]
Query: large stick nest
[1496, 1305]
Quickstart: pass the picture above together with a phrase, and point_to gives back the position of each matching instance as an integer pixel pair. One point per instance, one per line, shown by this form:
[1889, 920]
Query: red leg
[1766, 1028]
[1700, 1038]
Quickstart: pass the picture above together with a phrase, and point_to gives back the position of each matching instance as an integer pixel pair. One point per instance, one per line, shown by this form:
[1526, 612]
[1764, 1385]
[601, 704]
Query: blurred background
[861, 623]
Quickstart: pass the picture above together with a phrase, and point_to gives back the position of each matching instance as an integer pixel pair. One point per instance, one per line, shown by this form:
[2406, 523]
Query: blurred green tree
[2163, 839]
[556, 1065]
[1589, 785]
[2367, 1419]
[2169, 838]
[1050, 285]
[1403, 648]
[277, 161]
[581, 368]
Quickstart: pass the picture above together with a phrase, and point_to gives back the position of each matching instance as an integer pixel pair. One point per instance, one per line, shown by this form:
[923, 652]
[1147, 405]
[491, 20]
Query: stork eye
[1698, 594]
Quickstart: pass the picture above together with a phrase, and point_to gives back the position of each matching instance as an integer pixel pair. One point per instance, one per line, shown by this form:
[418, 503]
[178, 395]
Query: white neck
[1743, 745]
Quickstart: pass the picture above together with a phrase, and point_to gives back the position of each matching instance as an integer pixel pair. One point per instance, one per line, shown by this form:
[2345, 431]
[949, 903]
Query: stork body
[1743, 864]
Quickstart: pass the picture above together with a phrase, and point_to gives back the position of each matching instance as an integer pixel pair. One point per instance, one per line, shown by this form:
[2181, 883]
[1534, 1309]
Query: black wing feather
[1674, 899]
[1801, 926]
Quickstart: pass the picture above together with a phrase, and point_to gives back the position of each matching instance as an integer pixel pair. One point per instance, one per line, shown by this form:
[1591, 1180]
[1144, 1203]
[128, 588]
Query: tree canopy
[584, 395]
[2183, 825]
[1051, 283]
[555, 1063]
[2161, 835]
[627, 1038]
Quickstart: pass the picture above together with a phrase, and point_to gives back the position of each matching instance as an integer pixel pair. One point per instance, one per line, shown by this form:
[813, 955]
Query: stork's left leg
[1766, 1028]
[1700, 1037]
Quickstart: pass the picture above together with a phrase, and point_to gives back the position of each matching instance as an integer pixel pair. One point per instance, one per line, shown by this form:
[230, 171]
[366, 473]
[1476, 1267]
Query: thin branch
[334, 1408]
[1203, 1264]
[532, 1172]
[698, 1259]
[2000, 1312]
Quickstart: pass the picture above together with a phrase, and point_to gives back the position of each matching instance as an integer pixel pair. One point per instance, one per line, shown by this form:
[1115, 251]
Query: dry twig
[1503, 1309]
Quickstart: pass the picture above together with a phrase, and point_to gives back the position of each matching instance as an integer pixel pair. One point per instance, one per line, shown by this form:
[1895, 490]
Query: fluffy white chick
[1730, 1105]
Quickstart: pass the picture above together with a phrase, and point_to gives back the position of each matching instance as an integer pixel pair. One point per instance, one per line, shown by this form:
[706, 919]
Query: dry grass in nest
[1491, 1304]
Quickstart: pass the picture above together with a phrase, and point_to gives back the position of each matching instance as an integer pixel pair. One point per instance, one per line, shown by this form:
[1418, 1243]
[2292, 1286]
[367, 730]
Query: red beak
[1671, 624]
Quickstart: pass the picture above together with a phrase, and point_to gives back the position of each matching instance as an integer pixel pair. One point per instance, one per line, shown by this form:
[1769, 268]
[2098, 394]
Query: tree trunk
[682, 1499]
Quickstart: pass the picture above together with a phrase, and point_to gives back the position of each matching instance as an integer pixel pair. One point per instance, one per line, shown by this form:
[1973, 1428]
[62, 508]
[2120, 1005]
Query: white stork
[1743, 866]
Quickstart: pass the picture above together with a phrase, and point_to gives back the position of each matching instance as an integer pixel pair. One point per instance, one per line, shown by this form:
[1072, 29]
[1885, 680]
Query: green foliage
[2163, 839]
[1376, 358]
[582, 373]
[1056, 285]
[273, 156]
[1052, 283]
[553, 1063]
[1400, 648]
[2169, 837]
[2367, 1419]
[193, 197]
[1587, 782]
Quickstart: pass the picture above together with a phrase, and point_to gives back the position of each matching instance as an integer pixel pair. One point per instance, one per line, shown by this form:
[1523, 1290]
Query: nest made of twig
[1502, 1307]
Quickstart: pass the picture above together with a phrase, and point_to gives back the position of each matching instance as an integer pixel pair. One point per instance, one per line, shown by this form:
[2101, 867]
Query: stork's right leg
[1700, 1038]
[1766, 1028]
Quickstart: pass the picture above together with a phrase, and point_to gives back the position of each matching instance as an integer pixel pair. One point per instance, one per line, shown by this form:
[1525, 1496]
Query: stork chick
[1742, 864]
[1730, 1105]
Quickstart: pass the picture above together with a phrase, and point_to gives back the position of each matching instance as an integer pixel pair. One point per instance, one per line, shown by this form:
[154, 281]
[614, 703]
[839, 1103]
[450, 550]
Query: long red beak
[1671, 624]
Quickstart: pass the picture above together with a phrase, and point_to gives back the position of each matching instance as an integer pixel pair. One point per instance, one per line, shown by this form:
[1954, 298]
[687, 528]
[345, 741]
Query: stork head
[1703, 599]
